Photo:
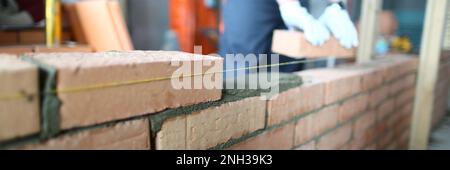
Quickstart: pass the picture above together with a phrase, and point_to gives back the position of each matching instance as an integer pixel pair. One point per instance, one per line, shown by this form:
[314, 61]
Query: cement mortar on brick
[50, 103]
[287, 81]
[19, 117]
[81, 71]
[86, 138]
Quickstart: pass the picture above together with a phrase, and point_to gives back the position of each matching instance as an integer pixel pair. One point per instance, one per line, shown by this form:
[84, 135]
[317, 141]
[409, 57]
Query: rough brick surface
[339, 83]
[335, 139]
[401, 84]
[398, 66]
[353, 107]
[309, 146]
[83, 108]
[364, 122]
[325, 119]
[18, 116]
[372, 79]
[276, 139]
[386, 108]
[295, 102]
[405, 97]
[304, 130]
[216, 125]
[363, 139]
[172, 135]
[132, 135]
[377, 96]
[294, 44]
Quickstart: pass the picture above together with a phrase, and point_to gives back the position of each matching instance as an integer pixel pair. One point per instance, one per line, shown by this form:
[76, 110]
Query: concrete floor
[440, 137]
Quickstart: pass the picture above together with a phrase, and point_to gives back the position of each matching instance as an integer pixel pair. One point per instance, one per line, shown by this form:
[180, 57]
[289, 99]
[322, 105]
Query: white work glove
[296, 16]
[340, 24]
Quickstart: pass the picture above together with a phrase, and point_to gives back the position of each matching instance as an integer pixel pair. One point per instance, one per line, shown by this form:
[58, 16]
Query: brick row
[104, 103]
[18, 116]
[207, 128]
[130, 135]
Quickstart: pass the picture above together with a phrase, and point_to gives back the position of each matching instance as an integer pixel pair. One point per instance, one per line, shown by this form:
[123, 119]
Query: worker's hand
[340, 24]
[296, 16]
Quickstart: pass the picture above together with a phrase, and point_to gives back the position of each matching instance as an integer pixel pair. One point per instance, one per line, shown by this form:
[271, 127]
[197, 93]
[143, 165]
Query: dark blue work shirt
[249, 26]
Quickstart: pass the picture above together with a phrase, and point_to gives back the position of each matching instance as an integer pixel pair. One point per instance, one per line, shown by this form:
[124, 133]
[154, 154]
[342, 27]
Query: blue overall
[249, 26]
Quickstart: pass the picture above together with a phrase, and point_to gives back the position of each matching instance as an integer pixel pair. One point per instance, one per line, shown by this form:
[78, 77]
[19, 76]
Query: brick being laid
[89, 91]
[19, 102]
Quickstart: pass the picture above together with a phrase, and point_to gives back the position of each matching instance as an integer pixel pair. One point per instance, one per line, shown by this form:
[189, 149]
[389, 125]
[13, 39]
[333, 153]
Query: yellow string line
[18, 96]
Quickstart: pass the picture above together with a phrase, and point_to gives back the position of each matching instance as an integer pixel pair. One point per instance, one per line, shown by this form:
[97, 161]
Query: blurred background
[169, 25]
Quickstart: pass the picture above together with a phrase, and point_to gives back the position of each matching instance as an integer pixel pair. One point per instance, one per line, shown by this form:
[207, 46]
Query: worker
[248, 25]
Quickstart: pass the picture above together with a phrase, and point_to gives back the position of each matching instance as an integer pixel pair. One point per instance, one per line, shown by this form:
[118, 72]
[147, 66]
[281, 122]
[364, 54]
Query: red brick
[316, 124]
[363, 139]
[363, 123]
[90, 107]
[393, 120]
[372, 79]
[352, 107]
[276, 139]
[294, 43]
[309, 146]
[335, 139]
[399, 66]
[378, 95]
[403, 140]
[385, 140]
[392, 146]
[371, 147]
[404, 120]
[386, 108]
[304, 130]
[172, 135]
[401, 84]
[325, 119]
[396, 87]
[340, 83]
[295, 102]
[216, 125]
[18, 116]
[407, 96]
[129, 135]
[380, 129]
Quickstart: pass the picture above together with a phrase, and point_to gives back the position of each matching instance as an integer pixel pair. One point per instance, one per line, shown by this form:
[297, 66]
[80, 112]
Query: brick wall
[442, 89]
[350, 107]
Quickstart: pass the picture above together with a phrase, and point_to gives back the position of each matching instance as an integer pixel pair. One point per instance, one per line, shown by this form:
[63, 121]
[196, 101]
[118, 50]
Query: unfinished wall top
[87, 60]
[10, 63]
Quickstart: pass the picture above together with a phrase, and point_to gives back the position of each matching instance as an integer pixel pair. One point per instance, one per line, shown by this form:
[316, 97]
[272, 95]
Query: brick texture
[325, 119]
[378, 95]
[309, 146]
[132, 135]
[304, 130]
[386, 108]
[18, 116]
[216, 125]
[353, 107]
[335, 139]
[276, 139]
[84, 108]
[339, 83]
[295, 102]
[172, 135]
[316, 124]
[294, 44]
